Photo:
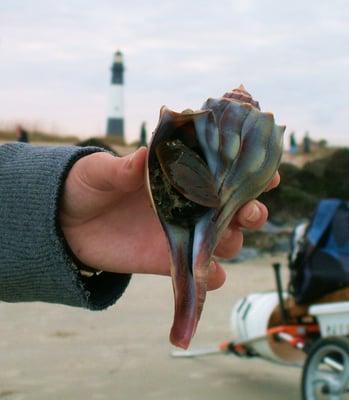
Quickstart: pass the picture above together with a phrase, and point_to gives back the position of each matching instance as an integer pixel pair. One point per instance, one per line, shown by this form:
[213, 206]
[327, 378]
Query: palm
[111, 229]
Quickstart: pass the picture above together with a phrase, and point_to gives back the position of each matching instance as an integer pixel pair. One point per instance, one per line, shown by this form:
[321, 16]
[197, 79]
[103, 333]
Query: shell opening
[174, 205]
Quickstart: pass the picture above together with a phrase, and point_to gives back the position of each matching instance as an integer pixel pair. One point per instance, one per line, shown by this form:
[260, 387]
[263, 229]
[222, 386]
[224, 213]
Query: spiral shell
[202, 167]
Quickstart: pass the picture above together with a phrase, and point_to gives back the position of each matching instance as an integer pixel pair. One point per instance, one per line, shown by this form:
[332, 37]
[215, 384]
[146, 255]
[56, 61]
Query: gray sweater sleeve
[35, 261]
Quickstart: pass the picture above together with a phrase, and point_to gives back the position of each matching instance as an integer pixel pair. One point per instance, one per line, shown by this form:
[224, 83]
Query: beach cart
[307, 325]
[315, 337]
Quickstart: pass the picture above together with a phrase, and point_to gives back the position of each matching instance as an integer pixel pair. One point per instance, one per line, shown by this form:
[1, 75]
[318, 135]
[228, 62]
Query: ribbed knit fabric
[35, 262]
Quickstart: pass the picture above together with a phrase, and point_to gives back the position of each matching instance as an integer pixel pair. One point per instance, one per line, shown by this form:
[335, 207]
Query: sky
[292, 56]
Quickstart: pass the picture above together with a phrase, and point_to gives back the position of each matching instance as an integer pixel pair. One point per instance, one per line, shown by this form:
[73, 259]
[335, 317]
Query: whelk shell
[202, 167]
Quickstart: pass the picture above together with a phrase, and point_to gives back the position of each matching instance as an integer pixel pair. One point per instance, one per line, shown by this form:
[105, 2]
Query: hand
[109, 224]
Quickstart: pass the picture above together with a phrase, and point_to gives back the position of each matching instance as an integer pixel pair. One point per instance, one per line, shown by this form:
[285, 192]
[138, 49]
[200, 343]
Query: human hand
[109, 224]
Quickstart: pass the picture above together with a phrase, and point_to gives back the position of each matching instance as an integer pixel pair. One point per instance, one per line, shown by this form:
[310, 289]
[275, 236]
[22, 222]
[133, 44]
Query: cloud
[55, 59]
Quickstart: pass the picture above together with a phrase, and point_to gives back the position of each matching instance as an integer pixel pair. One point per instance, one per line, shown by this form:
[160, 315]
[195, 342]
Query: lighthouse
[115, 123]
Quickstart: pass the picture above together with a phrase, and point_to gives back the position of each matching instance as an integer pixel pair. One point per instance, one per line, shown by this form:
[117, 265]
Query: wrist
[88, 272]
[83, 269]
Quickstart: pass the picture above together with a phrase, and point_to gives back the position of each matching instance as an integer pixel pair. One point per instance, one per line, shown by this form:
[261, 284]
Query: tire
[326, 370]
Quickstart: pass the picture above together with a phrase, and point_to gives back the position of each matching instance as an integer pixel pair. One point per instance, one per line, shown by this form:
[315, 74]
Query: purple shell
[241, 148]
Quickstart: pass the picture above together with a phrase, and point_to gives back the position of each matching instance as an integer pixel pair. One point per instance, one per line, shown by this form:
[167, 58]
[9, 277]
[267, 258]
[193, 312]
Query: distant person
[306, 143]
[293, 144]
[22, 134]
[143, 136]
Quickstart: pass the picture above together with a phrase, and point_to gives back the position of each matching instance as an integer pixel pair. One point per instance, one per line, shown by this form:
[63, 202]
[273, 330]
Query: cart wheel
[326, 370]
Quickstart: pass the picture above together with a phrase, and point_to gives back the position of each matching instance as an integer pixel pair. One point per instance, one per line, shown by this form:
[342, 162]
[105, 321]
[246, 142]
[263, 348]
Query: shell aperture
[188, 173]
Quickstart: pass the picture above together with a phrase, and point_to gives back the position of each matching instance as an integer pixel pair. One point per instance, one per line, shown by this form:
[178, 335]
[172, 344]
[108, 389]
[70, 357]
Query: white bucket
[250, 320]
[333, 318]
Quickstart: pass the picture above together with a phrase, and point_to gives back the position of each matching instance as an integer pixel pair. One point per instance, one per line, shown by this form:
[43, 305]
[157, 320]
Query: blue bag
[321, 263]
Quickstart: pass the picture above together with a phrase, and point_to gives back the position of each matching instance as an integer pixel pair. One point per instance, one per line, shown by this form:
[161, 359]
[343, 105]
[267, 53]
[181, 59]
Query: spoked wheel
[326, 370]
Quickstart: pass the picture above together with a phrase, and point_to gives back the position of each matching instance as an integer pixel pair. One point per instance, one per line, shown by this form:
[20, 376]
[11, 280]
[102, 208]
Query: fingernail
[130, 159]
[226, 234]
[133, 156]
[254, 214]
[213, 267]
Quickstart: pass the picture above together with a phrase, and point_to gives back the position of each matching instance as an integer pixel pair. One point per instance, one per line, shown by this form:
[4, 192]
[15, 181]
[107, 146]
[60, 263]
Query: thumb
[105, 172]
[128, 172]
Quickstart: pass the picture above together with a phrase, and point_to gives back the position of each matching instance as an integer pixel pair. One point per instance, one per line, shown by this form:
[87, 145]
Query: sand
[57, 352]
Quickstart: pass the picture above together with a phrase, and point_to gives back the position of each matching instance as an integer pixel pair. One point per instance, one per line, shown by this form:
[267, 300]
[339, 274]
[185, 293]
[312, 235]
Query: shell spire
[241, 95]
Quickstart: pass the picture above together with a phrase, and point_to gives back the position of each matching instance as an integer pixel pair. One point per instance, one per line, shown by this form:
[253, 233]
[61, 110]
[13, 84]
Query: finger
[103, 171]
[216, 276]
[230, 244]
[129, 171]
[252, 215]
[274, 182]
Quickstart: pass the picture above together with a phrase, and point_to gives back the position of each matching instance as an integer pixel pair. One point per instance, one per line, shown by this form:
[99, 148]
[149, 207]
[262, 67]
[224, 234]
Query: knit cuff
[35, 262]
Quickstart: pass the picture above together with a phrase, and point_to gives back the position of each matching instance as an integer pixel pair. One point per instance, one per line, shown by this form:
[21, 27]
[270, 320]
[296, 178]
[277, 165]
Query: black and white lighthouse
[115, 124]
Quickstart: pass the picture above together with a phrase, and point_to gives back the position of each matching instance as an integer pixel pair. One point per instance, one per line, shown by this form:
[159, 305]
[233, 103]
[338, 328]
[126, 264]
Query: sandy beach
[57, 352]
